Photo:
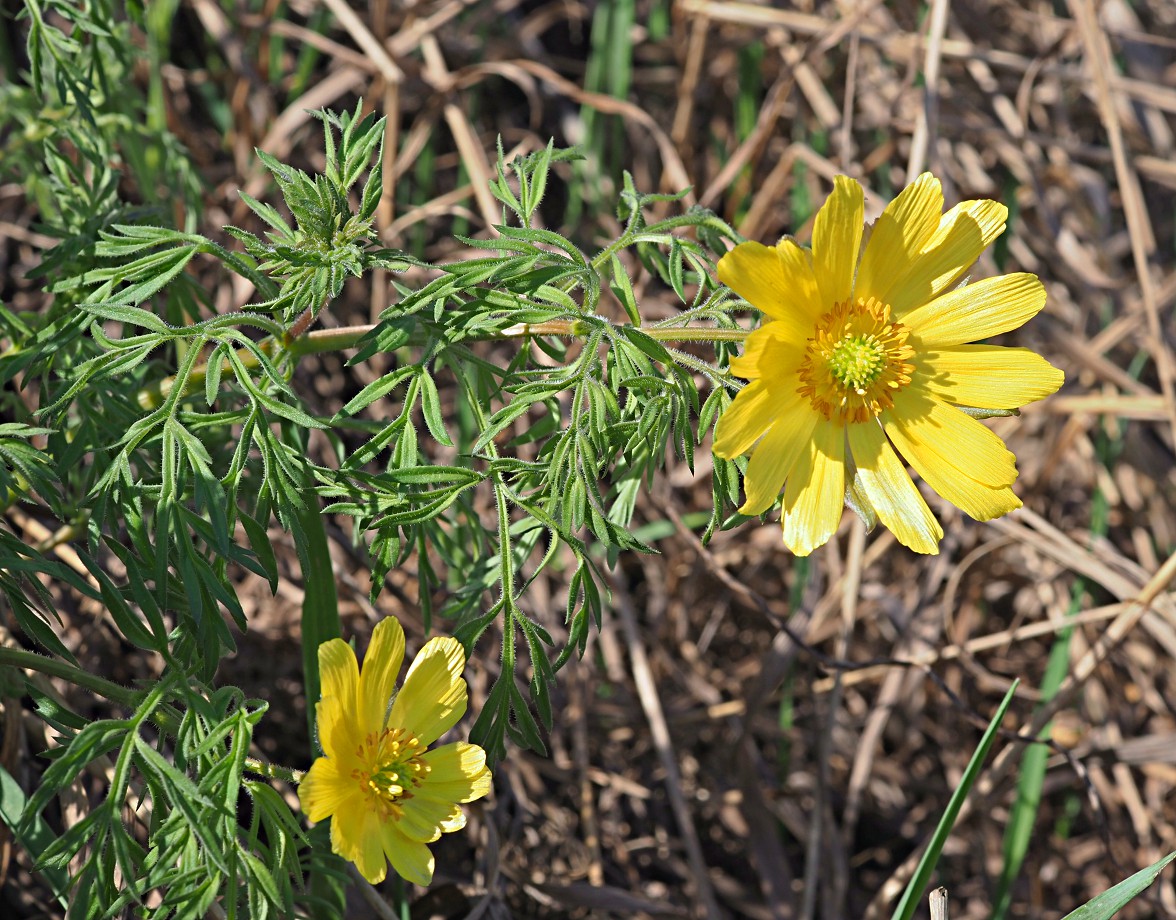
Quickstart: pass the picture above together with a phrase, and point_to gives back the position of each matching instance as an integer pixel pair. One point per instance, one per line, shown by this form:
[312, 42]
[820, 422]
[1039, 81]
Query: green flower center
[857, 362]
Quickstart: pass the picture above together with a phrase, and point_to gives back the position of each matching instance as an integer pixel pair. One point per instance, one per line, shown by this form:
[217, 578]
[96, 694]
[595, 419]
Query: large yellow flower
[856, 360]
[385, 793]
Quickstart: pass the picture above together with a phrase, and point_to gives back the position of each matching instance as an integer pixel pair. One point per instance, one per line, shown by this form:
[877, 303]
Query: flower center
[393, 768]
[855, 362]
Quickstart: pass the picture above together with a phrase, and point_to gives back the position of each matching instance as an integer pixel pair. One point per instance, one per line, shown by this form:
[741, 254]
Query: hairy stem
[323, 340]
[273, 771]
[19, 658]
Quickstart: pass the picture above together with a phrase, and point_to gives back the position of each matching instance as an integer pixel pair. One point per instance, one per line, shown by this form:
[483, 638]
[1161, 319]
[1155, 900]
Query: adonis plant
[168, 441]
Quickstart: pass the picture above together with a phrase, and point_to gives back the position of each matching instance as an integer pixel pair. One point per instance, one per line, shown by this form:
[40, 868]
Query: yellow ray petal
[325, 791]
[422, 817]
[355, 835]
[457, 772]
[774, 458]
[949, 467]
[988, 376]
[377, 679]
[815, 492]
[965, 231]
[427, 817]
[954, 435]
[898, 237]
[757, 274]
[895, 498]
[837, 235]
[339, 676]
[976, 311]
[433, 696]
[412, 860]
[801, 291]
[454, 819]
[753, 412]
[769, 352]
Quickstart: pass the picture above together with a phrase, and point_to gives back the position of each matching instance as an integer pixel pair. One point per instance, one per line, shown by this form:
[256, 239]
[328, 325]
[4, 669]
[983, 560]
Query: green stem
[274, 771]
[321, 340]
[324, 340]
[660, 333]
[19, 658]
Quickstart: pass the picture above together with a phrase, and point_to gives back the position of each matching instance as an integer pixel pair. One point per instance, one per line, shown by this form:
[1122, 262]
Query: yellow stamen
[855, 362]
[393, 767]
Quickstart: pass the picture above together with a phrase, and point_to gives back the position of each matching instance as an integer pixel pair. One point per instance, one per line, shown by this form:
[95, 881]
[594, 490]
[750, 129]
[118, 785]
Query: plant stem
[19, 658]
[323, 340]
[274, 771]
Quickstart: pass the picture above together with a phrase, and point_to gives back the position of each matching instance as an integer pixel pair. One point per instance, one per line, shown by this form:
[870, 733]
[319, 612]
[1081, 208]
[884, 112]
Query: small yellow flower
[856, 360]
[385, 793]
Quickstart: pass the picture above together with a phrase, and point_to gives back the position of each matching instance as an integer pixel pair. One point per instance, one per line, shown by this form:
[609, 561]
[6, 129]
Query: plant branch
[323, 340]
[19, 658]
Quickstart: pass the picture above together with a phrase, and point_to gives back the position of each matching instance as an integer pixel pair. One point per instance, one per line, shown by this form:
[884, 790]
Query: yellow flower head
[385, 793]
[856, 360]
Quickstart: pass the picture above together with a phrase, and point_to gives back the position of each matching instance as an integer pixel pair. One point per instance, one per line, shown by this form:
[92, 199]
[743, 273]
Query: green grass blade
[1111, 901]
[320, 622]
[1032, 773]
[320, 605]
[922, 877]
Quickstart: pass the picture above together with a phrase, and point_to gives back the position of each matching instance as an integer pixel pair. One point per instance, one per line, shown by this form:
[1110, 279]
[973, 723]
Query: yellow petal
[895, 498]
[769, 352]
[355, 835]
[325, 791]
[339, 678]
[757, 274]
[936, 443]
[454, 821]
[976, 311]
[815, 493]
[433, 697]
[801, 291]
[423, 817]
[837, 235]
[954, 435]
[965, 231]
[898, 237]
[776, 455]
[381, 664]
[988, 376]
[752, 412]
[412, 860]
[458, 773]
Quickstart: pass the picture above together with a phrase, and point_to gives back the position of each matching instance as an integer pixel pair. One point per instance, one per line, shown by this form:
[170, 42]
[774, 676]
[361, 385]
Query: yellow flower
[857, 360]
[385, 793]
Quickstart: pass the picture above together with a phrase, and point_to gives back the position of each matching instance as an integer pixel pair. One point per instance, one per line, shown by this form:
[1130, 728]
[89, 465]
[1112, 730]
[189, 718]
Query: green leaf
[648, 345]
[269, 214]
[184, 795]
[622, 287]
[96, 739]
[35, 836]
[260, 543]
[431, 408]
[132, 316]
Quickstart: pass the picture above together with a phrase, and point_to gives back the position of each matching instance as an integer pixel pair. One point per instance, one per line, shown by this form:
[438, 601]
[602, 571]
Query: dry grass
[705, 762]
